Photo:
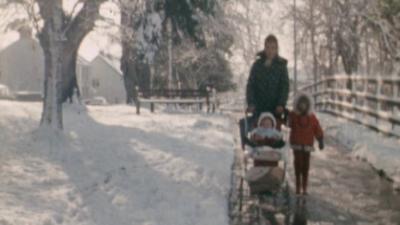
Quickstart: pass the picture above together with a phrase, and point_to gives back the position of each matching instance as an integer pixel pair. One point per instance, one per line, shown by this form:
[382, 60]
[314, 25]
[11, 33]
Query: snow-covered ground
[113, 167]
[380, 151]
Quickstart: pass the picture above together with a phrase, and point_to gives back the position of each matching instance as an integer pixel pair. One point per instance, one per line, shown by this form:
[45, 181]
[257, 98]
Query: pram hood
[266, 115]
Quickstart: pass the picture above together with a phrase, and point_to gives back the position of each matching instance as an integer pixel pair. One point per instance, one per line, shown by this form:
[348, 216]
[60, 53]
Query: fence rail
[371, 101]
[177, 97]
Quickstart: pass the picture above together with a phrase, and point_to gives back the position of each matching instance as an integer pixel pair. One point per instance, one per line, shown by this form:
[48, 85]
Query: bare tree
[60, 35]
[361, 34]
[75, 26]
[248, 20]
[384, 19]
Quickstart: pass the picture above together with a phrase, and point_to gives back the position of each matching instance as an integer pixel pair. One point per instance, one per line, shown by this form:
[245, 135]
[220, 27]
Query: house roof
[109, 62]
[18, 42]
[81, 59]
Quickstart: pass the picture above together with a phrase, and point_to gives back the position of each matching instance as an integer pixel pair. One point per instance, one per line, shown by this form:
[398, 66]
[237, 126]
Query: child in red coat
[305, 128]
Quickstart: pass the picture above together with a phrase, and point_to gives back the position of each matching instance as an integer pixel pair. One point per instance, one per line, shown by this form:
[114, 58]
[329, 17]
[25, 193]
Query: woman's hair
[271, 39]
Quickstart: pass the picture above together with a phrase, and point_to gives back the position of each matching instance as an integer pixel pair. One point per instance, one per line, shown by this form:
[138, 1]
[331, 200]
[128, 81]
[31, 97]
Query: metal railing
[371, 101]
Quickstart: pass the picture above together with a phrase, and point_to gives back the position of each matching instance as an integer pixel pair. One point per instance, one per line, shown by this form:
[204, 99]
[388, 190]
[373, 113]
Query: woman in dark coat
[268, 83]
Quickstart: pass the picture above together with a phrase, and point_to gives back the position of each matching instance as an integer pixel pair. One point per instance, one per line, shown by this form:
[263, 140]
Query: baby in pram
[266, 134]
[265, 175]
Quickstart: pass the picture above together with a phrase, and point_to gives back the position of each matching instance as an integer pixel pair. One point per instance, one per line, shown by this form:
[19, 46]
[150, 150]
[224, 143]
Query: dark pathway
[344, 190]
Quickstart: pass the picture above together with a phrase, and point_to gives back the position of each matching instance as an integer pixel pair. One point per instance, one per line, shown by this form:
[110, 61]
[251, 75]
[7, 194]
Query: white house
[22, 64]
[22, 70]
[102, 79]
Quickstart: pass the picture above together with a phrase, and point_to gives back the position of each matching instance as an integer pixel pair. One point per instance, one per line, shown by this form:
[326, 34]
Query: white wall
[22, 66]
[106, 82]
[22, 69]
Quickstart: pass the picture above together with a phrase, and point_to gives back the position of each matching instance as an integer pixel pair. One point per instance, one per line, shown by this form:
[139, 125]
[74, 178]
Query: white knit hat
[269, 116]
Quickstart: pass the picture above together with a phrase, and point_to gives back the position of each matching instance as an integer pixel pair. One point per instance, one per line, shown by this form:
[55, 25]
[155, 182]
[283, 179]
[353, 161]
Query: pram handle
[246, 122]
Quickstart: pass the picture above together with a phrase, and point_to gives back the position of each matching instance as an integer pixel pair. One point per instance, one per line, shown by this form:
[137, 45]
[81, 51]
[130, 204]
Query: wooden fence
[371, 101]
[178, 97]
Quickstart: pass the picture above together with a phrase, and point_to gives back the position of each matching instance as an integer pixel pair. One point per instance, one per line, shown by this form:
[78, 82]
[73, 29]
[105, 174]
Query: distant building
[102, 79]
[22, 64]
[22, 71]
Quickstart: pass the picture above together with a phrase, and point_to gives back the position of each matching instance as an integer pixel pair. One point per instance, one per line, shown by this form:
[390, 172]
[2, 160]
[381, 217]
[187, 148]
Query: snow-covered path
[113, 167]
[344, 190]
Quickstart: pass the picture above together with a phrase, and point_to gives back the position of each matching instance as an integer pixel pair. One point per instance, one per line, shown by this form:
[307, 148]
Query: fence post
[137, 102]
[335, 96]
[137, 107]
[208, 99]
[324, 85]
[379, 84]
[214, 100]
[396, 94]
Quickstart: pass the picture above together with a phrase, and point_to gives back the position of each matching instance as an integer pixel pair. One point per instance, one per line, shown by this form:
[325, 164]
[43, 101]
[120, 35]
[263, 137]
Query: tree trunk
[60, 39]
[313, 43]
[367, 55]
[75, 31]
[51, 39]
[136, 72]
[135, 69]
[330, 36]
[170, 56]
[128, 74]
[69, 63]
[331, 53]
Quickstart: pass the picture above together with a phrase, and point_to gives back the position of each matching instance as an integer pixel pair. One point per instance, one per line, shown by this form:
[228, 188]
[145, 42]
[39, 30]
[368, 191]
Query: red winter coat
[304, 129]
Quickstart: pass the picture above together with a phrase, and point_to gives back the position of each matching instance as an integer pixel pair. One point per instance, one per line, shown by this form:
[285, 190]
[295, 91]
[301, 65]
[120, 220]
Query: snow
[380, 151]
[111, 166]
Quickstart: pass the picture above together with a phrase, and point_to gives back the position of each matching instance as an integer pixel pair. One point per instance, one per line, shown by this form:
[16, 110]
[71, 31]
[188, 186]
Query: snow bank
[113, 167]
[379, 150]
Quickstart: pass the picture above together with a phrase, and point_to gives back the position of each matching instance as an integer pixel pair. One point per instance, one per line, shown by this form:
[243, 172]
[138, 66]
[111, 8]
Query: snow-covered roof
[82, 60]
[113, 65]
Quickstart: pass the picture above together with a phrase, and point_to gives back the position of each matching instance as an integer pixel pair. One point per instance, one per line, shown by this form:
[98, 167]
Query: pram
[263, 185]
[267, 172]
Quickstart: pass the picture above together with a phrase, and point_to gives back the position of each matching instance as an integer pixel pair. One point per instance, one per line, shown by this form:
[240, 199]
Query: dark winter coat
[268, 86]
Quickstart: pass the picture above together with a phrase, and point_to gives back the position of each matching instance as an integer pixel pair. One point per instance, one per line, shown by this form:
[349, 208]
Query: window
[95, 83]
